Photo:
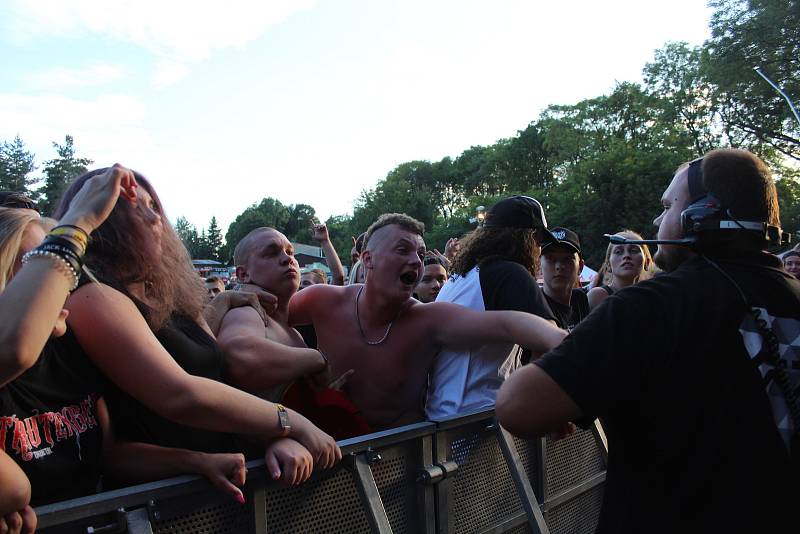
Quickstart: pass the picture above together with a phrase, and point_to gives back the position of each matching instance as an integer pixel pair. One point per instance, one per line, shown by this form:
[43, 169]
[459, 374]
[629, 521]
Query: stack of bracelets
[65, 245]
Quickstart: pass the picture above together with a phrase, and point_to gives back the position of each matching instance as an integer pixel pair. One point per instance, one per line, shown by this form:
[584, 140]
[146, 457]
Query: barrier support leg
[521, 481]
[368, 491]
[259, 503]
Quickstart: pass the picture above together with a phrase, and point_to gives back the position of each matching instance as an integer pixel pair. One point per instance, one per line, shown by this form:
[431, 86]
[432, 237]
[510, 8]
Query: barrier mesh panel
[395, 478]
[521, 529]
[328, 504]
[483, 491]
[577, 516]
[572, 460]
[210, 513]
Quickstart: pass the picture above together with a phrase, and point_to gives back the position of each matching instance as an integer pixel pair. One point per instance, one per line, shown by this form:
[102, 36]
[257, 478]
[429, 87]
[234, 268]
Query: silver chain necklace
[358, 320]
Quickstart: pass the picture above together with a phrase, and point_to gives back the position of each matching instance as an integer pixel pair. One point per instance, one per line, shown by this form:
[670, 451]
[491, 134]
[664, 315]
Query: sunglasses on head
[11, 199]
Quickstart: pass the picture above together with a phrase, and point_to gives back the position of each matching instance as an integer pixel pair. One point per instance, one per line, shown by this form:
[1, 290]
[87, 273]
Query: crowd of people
[120, 365]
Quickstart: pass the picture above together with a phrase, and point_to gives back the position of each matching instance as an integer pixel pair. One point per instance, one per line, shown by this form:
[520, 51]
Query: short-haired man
[494, 270]
[562, 263]
[688, 370]
[388, 337]
[263, 353]
[434, 275]
[214, 286]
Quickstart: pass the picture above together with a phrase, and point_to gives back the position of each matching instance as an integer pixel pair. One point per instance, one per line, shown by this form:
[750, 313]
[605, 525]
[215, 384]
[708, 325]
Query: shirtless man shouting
[388, 337]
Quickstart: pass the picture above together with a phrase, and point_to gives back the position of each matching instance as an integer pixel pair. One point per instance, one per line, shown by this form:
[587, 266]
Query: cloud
[186, 32]
[169, 73]
[106, 128]
[60, 78]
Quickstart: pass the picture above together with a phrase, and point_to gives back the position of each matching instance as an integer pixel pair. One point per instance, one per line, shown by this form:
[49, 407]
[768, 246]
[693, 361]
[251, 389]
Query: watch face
[283, 418]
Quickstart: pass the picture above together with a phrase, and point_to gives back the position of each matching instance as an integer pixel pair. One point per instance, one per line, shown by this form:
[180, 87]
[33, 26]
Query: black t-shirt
[507, 285]
[198, 354]
[568, 317]
[693, 445]
[48, 422]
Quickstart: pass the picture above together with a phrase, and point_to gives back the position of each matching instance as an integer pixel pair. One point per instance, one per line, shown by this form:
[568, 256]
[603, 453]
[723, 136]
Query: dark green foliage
[59, 172]
[16, 165]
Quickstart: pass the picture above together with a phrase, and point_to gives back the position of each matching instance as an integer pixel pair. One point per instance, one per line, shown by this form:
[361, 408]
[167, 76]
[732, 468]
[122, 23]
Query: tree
[214, 240]
[269, 212]
[756, 33]
[16, 164]
[59, 172]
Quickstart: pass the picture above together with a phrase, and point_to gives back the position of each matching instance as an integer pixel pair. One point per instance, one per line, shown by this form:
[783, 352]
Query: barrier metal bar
[521, 481]
[368, 490]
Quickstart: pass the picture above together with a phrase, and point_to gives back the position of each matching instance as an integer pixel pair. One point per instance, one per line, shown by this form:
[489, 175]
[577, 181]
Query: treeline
[601, 165]
[17, 165]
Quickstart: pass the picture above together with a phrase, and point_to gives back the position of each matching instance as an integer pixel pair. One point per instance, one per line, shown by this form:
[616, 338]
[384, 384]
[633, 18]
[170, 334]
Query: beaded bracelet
[64, 249]
[63, 265]
[73, 232]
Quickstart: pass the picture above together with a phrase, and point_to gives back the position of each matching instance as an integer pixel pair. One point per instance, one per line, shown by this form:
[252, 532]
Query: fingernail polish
[240, 499]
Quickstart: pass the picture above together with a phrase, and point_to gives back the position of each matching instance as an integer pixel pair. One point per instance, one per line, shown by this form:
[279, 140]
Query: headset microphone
[619, 240]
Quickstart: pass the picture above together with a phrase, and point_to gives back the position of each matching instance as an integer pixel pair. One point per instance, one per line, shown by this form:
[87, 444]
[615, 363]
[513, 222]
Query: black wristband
[63, 251]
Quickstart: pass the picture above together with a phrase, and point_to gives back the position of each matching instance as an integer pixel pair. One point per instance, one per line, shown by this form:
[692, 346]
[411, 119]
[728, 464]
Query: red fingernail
[240, 498]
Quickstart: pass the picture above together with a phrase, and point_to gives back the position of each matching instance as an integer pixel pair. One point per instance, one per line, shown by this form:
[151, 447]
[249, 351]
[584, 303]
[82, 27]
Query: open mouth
[409, 278]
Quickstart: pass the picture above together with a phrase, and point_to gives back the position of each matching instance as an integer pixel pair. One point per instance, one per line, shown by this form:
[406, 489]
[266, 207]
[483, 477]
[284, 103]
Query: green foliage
[294, 221]
[59, 172]
[748, 34]
[16, 165]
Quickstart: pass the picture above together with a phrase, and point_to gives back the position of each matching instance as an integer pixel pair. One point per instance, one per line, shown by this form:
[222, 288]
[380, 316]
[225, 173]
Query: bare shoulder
[323, 293]
[94, 295]
[244, 316]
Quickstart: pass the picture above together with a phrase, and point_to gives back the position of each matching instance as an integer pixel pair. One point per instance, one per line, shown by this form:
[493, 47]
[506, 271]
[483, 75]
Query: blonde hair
[13, 224]
[604, 274]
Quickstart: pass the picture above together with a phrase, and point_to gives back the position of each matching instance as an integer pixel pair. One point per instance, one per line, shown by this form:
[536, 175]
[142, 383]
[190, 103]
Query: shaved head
[245, 247]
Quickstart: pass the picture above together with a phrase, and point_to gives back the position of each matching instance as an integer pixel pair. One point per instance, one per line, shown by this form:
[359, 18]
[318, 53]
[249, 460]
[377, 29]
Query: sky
[222, 104]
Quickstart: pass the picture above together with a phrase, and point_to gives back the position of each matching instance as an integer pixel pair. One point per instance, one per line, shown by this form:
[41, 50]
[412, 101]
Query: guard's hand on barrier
[288, 461]
[227, 473]
[323, 448]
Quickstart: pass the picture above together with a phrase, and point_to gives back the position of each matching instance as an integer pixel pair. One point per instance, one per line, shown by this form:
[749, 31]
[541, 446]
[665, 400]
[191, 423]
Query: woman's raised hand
[95, 200]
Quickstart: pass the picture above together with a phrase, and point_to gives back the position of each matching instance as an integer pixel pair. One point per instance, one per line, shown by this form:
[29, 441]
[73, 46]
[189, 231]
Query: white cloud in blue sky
[223, 103]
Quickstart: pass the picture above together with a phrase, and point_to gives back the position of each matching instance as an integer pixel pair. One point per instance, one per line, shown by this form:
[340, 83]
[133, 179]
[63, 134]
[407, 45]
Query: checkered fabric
[787, 331]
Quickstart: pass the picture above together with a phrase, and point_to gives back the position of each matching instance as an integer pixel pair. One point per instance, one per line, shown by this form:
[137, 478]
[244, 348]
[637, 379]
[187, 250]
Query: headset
[705, 220]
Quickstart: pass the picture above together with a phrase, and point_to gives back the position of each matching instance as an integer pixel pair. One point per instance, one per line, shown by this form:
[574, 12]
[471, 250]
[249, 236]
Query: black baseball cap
[519, 212]
[566, 239]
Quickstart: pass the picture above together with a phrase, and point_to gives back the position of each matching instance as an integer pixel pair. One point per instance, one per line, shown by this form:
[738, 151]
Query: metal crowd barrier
[464, 474]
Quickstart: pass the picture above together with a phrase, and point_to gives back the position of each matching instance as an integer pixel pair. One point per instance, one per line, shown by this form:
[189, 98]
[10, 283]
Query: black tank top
[198, 354]
[608, 289]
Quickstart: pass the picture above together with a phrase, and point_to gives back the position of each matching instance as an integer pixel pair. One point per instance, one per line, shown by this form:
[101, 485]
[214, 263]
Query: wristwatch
[283, 419]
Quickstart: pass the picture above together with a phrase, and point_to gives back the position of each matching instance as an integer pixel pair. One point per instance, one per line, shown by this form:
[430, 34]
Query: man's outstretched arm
[531, 404]
[457, 326]
[254, 362]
